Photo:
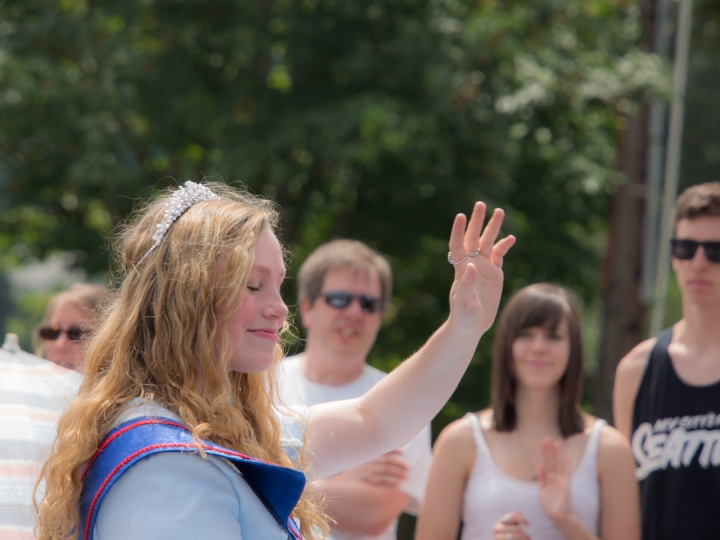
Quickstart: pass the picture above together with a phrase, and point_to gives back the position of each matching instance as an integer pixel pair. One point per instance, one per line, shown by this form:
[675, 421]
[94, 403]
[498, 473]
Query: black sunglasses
[685, 249]
[74, 333]
[342, 299]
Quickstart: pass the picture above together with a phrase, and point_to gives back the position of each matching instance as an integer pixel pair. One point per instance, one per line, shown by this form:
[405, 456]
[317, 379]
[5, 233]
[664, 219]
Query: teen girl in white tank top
[534, 466]
[490, 493]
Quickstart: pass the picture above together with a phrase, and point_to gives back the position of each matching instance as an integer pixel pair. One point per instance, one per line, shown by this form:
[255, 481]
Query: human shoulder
[612, 441]
[454, 449]
[457, 434]
[160, 490]
[293, 428]
[613, 452]
[290, 382]
[633, 363]
[628, 377]
[140, 407]
[631, 369]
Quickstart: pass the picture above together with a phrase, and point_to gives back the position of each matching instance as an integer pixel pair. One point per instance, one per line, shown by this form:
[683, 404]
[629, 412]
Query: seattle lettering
[675, 442]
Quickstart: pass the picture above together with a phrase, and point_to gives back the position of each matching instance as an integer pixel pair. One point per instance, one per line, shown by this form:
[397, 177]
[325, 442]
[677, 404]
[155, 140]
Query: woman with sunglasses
[69, 319]
[534, 466]
[175, 432]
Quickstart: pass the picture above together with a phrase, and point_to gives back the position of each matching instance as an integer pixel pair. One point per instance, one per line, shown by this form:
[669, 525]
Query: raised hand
[478, 259]
[554, 479]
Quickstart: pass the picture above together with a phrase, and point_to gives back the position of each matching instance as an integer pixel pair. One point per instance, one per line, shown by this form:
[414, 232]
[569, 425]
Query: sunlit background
[370, 120]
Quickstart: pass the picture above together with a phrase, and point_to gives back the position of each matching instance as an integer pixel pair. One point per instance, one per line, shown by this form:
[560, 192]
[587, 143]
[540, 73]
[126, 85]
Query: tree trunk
[624, 310]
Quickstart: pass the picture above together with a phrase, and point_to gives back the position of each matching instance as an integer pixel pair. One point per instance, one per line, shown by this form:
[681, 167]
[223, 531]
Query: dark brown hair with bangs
[544, 305]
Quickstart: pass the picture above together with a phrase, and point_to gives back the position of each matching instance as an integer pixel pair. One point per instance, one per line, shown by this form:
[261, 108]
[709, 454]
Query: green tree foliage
[374, 120]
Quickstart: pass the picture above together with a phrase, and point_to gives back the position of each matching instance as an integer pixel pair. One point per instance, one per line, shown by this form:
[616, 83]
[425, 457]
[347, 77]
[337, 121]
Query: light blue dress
[180, 496]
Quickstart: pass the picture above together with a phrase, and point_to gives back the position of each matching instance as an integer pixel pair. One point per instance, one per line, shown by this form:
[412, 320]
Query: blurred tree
[6, 303]
[375, 120]
[701, 138]
[625, 306]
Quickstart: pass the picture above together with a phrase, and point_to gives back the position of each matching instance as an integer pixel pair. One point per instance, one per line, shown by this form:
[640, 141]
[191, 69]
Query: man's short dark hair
[698, 201]
[349, 255]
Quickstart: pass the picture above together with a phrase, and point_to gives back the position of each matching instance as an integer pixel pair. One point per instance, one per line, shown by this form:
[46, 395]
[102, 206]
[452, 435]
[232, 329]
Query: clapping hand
[478, 259]
[554, 479]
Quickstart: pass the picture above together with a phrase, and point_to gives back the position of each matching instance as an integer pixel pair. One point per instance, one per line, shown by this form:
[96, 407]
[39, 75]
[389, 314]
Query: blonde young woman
[533, 466]
[178, 395]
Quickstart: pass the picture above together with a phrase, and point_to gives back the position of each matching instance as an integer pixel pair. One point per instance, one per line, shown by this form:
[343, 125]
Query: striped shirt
[33, 394]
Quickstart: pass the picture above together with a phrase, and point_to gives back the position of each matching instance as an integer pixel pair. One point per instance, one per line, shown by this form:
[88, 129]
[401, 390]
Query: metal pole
[655, 161]
[672, 165]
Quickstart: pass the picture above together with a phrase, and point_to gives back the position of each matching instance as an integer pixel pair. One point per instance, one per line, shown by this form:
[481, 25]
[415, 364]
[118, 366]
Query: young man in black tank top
[667, 389]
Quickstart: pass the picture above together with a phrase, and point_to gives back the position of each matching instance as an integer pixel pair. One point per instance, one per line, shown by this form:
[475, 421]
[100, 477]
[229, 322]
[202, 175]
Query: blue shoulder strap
[279, 488]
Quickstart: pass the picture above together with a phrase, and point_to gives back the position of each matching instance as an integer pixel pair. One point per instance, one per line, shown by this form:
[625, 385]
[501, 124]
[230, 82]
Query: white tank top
[490, 493]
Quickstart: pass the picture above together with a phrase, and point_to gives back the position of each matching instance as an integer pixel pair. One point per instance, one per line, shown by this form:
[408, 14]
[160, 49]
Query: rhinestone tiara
[182, 199]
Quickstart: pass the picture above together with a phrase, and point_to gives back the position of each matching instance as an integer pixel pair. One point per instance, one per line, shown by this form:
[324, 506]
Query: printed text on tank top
[674, 441]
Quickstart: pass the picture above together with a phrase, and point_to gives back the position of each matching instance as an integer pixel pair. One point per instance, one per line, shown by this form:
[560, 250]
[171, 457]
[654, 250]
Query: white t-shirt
[296, 389]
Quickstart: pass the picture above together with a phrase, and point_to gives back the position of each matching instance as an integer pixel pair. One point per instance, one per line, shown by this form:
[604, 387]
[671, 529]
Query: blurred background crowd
[369, 120]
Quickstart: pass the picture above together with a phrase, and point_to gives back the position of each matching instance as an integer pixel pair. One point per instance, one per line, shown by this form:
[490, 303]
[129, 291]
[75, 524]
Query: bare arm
[453, 459]
[362, 508]
[365, 500]
[345, 433]
[620, 497]
[627, 381]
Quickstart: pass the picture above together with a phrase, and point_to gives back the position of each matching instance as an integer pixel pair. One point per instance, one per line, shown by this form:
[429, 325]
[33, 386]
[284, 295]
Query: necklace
[525, 454]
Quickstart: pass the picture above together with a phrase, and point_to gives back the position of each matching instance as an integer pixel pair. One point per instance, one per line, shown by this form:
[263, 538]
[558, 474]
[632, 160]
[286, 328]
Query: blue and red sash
[279, 488]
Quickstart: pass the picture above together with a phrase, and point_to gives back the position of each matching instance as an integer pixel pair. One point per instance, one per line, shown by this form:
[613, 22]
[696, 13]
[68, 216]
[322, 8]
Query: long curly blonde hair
[162, 340]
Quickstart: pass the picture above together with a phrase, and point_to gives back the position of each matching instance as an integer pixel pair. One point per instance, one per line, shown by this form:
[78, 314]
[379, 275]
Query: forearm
[395, 409]
[361, 508]
[403, 403]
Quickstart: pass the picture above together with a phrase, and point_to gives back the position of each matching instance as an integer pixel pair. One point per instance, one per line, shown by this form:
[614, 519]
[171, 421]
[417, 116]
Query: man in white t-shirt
[344, 288]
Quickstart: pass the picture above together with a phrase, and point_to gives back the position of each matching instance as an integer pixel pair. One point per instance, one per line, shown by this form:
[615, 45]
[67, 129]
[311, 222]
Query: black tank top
[676, 445]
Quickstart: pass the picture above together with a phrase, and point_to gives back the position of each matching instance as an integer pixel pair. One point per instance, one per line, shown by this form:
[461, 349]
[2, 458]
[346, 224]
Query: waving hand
[478, 259]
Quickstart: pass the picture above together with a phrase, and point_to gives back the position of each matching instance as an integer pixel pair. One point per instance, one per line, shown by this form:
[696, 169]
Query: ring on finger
[505, 519]
[474, 253]
[454, 262]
